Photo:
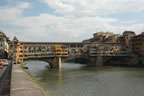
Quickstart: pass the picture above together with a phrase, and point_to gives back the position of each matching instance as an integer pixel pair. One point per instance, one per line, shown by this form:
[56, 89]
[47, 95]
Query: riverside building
[4, 47]
[138, 44]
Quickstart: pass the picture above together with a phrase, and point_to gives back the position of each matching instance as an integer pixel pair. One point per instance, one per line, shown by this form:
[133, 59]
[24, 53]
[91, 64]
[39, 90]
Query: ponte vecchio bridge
[95, 54]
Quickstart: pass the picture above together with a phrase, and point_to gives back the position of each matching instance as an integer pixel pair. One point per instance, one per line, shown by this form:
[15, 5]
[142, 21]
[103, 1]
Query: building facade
[138, 44]
[60, 51]
[127, 36]
[4, 47]
[16, 51]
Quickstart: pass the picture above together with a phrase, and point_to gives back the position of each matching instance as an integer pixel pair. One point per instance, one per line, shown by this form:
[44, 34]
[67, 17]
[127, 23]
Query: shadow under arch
[81, 60]
[43, 60]
[49, 61]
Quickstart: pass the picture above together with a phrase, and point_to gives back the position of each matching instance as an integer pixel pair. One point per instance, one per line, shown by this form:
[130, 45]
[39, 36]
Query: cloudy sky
[69, 20]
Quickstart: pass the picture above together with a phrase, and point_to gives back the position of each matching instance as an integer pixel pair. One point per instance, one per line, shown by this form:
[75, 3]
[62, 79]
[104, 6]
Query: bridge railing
[109, 53]
[5, 77]
[39, 55]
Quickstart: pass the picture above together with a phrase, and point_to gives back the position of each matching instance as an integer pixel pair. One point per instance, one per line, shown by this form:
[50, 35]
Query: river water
[78, 80]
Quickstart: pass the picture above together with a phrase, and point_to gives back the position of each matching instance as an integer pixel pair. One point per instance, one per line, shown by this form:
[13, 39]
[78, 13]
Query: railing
[109, 53]
[39, 55]
[5, 77]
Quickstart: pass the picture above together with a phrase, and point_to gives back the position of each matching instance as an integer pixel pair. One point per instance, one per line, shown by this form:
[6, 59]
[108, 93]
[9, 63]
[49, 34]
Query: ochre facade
[138, 44]
[60, 51]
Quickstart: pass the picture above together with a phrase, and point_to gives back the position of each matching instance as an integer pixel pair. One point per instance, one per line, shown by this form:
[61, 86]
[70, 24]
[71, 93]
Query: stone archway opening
[72, 52]
[38, 62]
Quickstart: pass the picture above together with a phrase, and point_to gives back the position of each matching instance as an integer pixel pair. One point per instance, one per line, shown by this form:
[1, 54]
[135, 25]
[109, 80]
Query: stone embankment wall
[23, 85]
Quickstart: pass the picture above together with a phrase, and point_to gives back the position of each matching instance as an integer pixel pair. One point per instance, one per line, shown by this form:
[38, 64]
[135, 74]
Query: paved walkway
[22, 84]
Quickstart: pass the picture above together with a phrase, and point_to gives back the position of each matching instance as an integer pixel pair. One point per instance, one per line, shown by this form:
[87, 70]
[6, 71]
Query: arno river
[78, 80]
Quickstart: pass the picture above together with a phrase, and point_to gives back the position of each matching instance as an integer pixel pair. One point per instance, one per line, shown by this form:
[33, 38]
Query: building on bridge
[60, 51]
[107, 49]
[128, 35]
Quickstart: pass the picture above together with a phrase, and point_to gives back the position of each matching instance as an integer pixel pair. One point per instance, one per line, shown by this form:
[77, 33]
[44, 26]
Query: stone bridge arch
[50, 61]
[72, 51]
[55, 62]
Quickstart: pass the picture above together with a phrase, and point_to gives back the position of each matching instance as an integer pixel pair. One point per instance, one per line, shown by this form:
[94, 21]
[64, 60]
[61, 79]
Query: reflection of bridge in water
[57, 52]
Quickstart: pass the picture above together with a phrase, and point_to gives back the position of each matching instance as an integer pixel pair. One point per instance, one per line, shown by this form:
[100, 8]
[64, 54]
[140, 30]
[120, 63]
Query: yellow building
[16, 51]
[60, 51]
[19, 53]
[138, 44]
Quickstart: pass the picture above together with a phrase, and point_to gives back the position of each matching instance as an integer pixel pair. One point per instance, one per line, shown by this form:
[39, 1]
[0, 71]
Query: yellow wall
[60, 51]
[19, 52]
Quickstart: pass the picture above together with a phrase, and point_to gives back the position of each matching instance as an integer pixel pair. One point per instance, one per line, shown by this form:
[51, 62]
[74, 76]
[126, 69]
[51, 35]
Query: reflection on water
[78, 80]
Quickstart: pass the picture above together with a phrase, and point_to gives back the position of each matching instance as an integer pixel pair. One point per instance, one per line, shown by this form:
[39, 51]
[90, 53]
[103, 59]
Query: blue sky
[69, 20]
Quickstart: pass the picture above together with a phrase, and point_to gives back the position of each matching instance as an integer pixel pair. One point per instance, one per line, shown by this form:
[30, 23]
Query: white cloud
[60, 6]
[94, 7]
[49, 27]
[75, 25]
[24, 5]
[10, 13]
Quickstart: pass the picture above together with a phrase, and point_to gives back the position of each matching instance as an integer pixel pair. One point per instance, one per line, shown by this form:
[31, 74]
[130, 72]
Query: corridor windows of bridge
[38, 48]
[25, 49]
[79, 45]
[48, 49]
[29, 49]
[32, 48]
[72, 45]
[43, 49]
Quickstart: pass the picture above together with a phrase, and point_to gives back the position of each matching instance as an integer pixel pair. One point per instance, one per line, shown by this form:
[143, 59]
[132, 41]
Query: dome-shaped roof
[15, 39]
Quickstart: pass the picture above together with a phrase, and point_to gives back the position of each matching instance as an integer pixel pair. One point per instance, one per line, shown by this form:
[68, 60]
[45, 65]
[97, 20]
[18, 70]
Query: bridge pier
[99, 62]
[134, 60]
[60, 62]
[95, 61]
[56, 63]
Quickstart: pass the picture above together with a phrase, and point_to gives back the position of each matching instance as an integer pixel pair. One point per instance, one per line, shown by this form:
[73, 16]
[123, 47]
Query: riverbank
[22, 84]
